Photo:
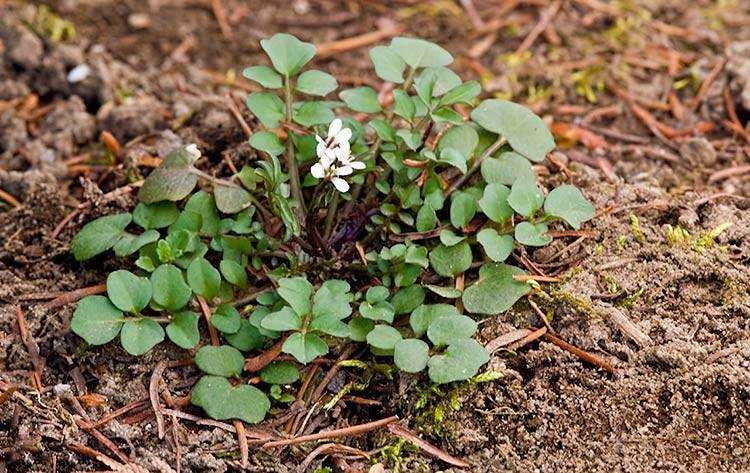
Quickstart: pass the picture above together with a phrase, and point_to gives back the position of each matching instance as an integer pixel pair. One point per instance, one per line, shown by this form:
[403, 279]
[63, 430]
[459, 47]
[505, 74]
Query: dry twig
[427, 447]
[329, 434]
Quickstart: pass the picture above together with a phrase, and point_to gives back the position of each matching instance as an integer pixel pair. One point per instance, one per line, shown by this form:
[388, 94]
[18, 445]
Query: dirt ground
[649, 102]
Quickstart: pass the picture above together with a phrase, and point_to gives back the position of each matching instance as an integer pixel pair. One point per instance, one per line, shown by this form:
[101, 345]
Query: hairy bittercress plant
[419, 170]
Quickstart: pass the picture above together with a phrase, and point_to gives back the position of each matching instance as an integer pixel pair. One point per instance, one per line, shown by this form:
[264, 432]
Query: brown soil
[679, 400]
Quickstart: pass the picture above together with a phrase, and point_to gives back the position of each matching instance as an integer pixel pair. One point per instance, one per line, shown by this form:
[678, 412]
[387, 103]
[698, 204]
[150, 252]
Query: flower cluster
[335, 157]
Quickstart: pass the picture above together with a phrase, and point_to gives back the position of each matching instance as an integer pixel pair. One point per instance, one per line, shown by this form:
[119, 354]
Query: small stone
[79, 73]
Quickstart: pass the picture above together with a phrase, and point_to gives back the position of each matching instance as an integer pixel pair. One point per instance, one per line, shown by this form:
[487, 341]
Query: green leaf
[506, 168]
[447, 292]
[140, 335]
[128, 292]
[460, 362]
[169, 288]
[463, 208]
[220, 361]
[495, 291]
[407, 299]
[156, 215]
[267, 107]
[381, 310]
[568, 203]
[234, 273]
[247, 338]
[446, 115]
[226, 319]
[183, 329]
[281, 320]
[359, 327]
[332, 301]
[463, 93]
[129, 243]
[264, 76]
[99, 235]
[330, 325]
[449, 238]
[411, 355]
[361, 99]
[305, 348]
[377, 294]
[494, 203]
[312, 113]
[96, 320]
[384, 130]
[498, 247]
[420, 53]
[454, 158]
[203, 278]
[448, 330]
[222, 401]
[412, 139]
[530, 234]
[525, 196]
[424, 85]
[444, 80]
[426, 218]
[279, 372]
[451, 260]
[296, 292]
[231, 199]
[462, 138]
[189, 221]
[266, 141]
[388, 65]
[172, 180]
[287, 53]
[383, 337]
[403, 105]
[526, 133]
[316, 83]
[424, 315]
[204, 204]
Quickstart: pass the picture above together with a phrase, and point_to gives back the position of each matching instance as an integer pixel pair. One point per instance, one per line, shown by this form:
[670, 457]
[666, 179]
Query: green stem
[330, 215]
[291, 160]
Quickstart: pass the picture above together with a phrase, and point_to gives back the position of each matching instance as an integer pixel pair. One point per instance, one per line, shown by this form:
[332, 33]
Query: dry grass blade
[329, 434]
[77, 294]
[9, 199]
[31, 347]
[388, 30]
[544, 21]
[153, 394]
[427, 447]
[584, 355]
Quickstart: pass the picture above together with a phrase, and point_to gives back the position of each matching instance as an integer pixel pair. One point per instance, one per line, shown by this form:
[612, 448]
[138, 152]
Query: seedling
[454, 191]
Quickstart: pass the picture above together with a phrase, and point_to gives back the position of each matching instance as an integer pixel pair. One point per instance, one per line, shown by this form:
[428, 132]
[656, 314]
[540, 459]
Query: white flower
[334, 155]
[326, 169]
[193, 150]
[338, 137]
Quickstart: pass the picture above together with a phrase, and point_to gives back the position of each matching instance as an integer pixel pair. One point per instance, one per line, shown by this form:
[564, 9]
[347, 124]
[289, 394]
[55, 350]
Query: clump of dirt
[668, 308]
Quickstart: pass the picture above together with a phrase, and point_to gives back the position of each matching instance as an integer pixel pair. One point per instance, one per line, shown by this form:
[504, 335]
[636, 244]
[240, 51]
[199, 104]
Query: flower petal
[193, 150]
[343, 170]
[357, 165]
[334, 128]
[317, 171]
[343, 136]
[340, 184]
[320, 149]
